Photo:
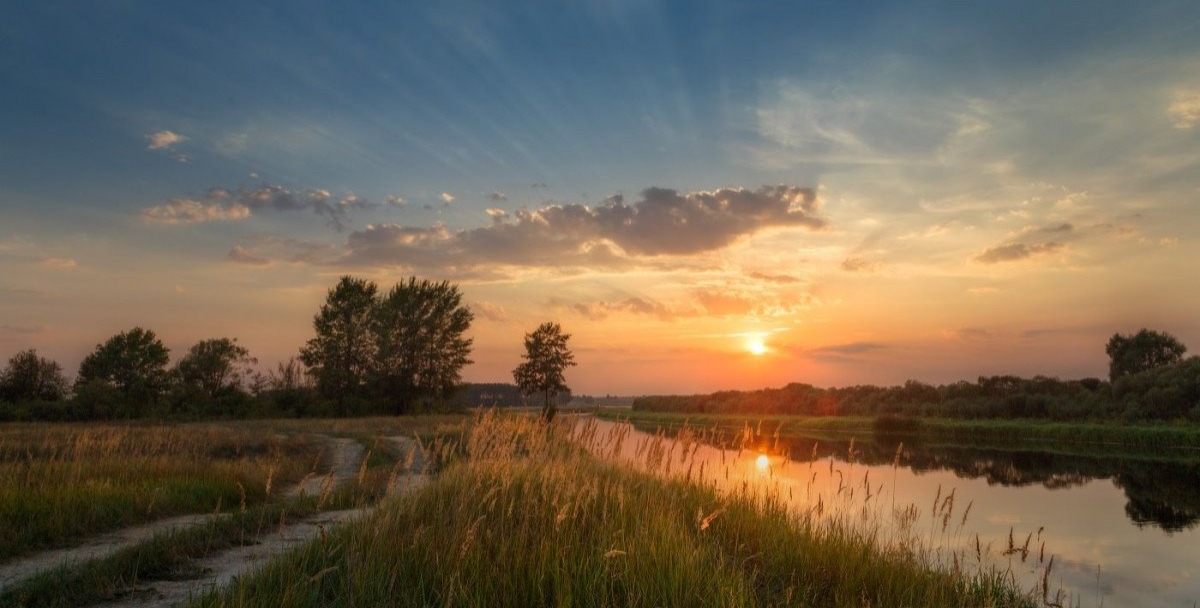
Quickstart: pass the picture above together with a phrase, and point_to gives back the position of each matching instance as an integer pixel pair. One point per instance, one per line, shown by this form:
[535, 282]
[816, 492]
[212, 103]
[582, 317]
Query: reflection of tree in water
[1162, 493]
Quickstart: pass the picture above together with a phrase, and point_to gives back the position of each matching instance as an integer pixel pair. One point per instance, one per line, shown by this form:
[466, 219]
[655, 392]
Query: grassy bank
[1000, 431]
[527, 518]
[59, 484]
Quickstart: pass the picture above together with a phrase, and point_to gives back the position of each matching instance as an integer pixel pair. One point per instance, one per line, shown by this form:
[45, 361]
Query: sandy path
[345, 458]
[222, 569]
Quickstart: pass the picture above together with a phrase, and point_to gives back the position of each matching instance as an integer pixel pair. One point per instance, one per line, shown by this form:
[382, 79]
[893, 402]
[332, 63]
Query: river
[1121, 525]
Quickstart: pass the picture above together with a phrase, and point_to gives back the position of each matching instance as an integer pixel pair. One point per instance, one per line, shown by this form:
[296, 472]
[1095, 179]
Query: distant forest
[1149, 379]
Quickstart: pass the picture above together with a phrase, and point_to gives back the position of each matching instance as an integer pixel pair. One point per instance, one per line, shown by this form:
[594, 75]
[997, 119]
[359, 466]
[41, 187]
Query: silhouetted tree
[419, 344]
[1142, 351]
[216, 365]
[134, 362]
[29, 377]
[342, 353]
[546, 358]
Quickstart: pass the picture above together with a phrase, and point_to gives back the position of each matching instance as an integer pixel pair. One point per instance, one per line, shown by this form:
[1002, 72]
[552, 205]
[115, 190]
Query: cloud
[490, 311]
[773, 278]
[982, 291]
[496, 197]
[1185, 110]
[163, 140]
[846, 350]
[662, 223]
[1013, 252]
[635, 305]
[859, 265]
[221, 204]
[395, 200]
[59, 263]
[242, 255]
[447, 198]
[498, 215]
[970, 333]
[191, 211]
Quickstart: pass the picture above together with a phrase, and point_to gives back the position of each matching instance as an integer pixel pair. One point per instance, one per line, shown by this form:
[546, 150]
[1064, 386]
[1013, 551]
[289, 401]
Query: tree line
[373, 352]
[1149, 379]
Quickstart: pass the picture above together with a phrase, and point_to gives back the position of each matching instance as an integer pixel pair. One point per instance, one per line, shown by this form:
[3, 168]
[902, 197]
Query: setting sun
[756, 346]
[762, 462]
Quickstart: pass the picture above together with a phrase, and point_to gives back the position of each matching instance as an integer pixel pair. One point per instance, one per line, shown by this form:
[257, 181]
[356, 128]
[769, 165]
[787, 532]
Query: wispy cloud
[496, 197]
[221, 204]
[1185, 110]
[490, 311]
[59, 263]
[242, 255]
[1013, 252]
[447, 198]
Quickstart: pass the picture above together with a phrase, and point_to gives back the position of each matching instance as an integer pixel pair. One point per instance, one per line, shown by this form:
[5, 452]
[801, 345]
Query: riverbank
[527, 518]
[1031, 432]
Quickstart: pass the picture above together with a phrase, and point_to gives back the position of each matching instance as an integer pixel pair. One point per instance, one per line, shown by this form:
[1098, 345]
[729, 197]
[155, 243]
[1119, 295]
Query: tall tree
[1142, 351]
[340, 356]
[134, 362]
[29, 377]
[216, 365]
[419, 331]
[546, 358]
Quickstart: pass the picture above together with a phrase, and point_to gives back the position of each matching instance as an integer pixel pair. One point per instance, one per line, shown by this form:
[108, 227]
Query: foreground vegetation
[62, 484]
[526, 517]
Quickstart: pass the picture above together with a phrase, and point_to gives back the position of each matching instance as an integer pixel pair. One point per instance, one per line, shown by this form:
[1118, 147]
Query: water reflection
[1122, 524]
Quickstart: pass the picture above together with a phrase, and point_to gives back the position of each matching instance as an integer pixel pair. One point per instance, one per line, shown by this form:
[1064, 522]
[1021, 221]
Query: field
[517, 513]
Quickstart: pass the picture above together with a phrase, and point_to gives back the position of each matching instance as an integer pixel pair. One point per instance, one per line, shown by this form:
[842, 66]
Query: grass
[169, 555]
[998, 431]
[525, 516]
[60, 484]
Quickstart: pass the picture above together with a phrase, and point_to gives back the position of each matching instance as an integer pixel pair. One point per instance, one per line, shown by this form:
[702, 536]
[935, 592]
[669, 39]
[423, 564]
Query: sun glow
[762, 462]
[756, 346]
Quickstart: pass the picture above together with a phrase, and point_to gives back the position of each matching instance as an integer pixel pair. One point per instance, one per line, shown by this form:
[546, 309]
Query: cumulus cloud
[662, 222]
[395, 200]
[221, 204]
[496, 197]
[1013, 252]
[242, 255]
[163, 140]
[447, 198]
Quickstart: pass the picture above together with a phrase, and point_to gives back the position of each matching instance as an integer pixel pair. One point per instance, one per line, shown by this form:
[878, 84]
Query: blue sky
[210, 168]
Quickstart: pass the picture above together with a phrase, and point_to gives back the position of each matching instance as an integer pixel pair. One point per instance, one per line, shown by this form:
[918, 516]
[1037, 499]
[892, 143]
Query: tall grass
[59, 484]
[526, 517]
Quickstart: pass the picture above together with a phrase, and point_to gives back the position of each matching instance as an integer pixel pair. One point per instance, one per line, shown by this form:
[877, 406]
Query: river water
[1121, 525]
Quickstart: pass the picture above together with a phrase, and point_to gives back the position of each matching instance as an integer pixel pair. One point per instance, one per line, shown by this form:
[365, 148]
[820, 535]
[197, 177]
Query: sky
[706, 195]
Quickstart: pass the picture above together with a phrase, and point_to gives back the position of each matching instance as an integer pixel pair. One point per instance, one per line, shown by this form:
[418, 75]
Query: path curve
[344, 461]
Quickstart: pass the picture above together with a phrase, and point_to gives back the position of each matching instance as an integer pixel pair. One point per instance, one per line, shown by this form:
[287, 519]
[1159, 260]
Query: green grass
[997, 431]
[527, 518]
[62, 483]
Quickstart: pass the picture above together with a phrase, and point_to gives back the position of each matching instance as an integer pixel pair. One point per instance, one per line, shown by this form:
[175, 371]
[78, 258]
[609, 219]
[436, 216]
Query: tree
[29, 377]
[342, 353]
[134, 362]
[420, 348]
[546, 358]
[1142, 351]
[215, 366]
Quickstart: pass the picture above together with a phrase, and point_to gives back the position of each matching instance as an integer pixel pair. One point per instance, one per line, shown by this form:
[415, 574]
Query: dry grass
[63, 483]
[523, 516]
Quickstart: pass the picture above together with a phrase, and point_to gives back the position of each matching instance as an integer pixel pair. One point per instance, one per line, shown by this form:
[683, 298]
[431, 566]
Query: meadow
[522, 514]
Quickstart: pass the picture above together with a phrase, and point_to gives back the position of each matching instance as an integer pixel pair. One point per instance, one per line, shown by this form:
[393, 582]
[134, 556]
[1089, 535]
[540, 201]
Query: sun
[756, 346]
[762, 462]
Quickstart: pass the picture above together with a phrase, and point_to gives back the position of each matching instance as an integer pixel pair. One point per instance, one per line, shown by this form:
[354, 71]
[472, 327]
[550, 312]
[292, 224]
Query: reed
[526, 515]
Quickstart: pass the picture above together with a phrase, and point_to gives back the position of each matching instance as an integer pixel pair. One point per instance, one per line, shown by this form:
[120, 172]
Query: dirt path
[344, 460]
[222, 569]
